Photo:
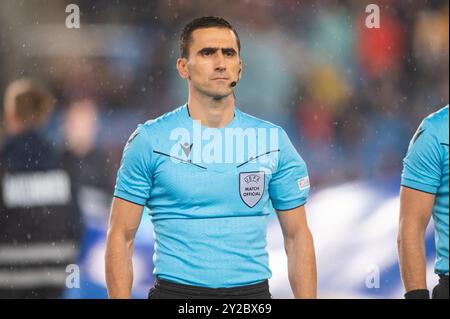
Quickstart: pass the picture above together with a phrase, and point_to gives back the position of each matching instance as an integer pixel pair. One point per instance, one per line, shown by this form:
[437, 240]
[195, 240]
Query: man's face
[213, 62]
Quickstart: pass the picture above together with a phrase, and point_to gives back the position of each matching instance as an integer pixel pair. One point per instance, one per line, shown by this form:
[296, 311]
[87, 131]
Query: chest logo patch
[187, 148]
[251, 187]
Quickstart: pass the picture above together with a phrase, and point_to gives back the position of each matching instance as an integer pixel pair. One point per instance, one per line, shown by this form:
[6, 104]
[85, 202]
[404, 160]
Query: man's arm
[415, 211]
[123, 224]
[299, 246]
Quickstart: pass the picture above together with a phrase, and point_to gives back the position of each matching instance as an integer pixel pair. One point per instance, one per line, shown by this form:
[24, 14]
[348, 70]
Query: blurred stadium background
[350, 98]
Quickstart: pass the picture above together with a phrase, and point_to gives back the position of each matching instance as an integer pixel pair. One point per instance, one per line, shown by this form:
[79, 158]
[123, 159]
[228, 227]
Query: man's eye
[206, 53]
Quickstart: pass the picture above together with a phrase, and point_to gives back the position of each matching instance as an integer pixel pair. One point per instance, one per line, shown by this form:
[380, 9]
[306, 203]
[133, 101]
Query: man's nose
[219, 62]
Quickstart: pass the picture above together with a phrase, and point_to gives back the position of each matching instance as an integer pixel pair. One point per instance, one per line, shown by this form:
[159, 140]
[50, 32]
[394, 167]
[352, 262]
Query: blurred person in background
[87, 162]
[424, 194]
[39, 218]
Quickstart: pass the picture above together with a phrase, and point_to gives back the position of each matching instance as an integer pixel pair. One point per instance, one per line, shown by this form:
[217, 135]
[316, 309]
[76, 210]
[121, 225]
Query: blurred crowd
[349, 96]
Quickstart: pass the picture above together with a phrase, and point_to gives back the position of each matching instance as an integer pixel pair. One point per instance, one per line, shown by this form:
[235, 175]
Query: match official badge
[251, 187]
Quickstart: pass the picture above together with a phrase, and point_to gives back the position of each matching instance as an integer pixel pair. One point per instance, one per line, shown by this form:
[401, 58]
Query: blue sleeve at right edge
[422, 166]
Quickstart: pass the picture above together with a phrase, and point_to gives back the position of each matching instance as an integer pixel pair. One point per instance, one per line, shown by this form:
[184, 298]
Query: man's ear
[240, 70]
[182, 68]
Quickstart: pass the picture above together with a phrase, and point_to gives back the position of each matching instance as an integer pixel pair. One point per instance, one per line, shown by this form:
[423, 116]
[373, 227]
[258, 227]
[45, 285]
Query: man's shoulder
[152, 129]
[438, 117]
[162, 124]
[253, 121]
[167, 119]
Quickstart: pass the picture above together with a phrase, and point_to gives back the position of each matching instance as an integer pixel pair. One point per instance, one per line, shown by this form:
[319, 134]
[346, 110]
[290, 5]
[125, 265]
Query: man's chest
[240, 183]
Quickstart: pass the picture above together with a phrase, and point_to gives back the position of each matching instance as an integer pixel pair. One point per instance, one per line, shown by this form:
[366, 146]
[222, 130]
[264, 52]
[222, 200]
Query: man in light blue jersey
[209, 174]
[424, 193]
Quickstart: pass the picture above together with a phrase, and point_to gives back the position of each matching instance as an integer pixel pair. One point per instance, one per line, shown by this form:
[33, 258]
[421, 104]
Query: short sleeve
[289, 185]
[422, 166]
[134, 178]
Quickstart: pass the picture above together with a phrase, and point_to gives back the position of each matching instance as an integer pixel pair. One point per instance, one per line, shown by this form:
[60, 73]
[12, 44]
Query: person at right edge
[424, 193]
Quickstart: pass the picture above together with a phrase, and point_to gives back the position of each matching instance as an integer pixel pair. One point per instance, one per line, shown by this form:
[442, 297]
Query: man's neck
[214, 113]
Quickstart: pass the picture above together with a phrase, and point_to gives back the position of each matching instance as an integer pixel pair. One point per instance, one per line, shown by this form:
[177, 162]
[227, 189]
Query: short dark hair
[200, 23]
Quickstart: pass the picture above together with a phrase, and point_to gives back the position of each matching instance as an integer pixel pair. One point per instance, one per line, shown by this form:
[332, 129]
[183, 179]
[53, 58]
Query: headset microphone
[234, 83]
